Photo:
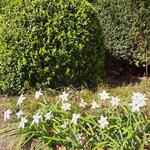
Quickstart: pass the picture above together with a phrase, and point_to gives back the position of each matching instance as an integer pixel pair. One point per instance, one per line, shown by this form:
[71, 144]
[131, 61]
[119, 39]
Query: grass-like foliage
[74, 123]
[50, 43]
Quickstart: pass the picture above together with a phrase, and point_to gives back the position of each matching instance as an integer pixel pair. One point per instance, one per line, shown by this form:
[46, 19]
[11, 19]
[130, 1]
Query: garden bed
[123, 91]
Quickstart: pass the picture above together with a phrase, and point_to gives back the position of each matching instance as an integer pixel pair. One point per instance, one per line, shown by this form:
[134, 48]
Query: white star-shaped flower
[36, 118]
[48, 116]
[64, 96]
[22, 122]
[138, 100]
[75, 118]
[38, 94]
[64, 125]
[21, 99]
[104, 95]
[114, 101]
[19, 114]
[95, 105]
[7, 114]
[135, 108]
[82, 103]
[66, 106]
[103, 122]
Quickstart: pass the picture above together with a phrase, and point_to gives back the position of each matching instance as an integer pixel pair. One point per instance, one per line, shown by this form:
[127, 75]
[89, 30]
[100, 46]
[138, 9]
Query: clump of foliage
[50, 43]
[126, 27]
[74, 123]
[6, 3]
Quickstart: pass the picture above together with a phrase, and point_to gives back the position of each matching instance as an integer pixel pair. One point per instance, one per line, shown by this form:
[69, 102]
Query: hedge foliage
[50, 43]
[6, 3]
[126, 27]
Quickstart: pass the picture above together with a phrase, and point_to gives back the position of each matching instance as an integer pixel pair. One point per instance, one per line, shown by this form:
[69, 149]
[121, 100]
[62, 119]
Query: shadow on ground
[117, 81]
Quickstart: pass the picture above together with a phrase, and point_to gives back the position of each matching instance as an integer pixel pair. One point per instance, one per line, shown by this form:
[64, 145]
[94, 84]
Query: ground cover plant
[50, 43]
[103, 120]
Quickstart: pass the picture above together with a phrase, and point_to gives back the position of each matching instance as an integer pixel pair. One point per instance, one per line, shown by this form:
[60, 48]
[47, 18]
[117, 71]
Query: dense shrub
[2, 4]
[49, 42]
[5, 3]
[126, 27]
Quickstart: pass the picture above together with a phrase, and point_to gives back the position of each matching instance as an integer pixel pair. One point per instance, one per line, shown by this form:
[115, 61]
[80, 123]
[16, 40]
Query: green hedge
[6, 3]
[126, 27]
[50, 43]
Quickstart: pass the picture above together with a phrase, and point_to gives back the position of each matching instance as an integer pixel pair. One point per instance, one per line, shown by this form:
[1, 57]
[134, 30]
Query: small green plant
[73, 123]
[50, 43]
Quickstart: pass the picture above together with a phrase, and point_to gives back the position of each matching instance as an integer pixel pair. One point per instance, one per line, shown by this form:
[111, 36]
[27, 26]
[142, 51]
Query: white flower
[64, 125]
[38, 94]
[114, 101]
[138, 100]
[19, 114]
[103, 122]
[75, 117]
[22, 122]
[95, 105]
[135, 108]
[48, 116]
[64, 96]
[36, 118]
[66, 106]
[82, 103]
[80, 137]
[21, 99]
[7, 114]
[104, 95]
